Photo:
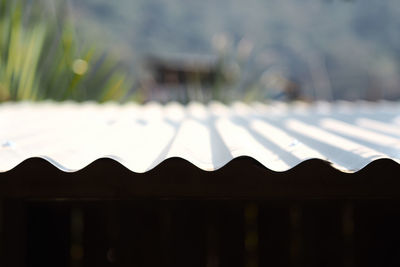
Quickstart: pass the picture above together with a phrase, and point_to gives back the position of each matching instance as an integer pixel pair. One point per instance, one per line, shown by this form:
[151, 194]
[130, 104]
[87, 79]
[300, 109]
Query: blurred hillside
[332, 49]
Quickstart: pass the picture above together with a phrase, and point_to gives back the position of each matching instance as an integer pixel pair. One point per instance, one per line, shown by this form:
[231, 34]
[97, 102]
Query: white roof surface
[278, 135]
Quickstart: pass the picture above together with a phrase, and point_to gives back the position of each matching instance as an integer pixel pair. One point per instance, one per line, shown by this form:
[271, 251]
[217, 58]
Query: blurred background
[183, 50]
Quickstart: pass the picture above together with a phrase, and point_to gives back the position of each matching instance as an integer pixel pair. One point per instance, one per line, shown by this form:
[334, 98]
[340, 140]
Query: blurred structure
[181, 77]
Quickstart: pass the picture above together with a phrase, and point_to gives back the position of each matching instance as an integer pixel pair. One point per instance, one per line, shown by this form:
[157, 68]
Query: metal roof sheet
[278, 135]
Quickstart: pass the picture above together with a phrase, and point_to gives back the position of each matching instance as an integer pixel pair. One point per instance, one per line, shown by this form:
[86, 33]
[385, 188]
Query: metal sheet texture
[140, 137]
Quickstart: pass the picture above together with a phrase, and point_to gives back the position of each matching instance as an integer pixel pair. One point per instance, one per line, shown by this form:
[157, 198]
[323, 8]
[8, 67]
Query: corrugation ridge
[315, 161]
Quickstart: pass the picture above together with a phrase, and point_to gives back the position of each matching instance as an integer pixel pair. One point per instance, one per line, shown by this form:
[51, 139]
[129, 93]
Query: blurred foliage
[41, 58]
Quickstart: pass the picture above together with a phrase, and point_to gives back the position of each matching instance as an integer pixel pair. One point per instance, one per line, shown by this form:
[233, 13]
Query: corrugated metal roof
[278, 135]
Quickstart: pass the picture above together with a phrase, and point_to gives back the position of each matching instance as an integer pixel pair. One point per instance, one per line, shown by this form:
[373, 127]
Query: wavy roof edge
[187, 162]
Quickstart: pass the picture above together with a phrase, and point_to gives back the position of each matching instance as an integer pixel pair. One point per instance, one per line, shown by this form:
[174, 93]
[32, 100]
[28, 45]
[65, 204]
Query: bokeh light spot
[79, 66]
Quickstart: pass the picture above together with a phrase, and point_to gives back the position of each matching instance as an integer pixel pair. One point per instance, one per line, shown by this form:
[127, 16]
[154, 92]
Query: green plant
[41, 58]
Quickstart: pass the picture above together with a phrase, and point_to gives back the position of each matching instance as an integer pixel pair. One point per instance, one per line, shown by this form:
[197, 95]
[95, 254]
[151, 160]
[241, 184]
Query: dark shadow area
[177, 232]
